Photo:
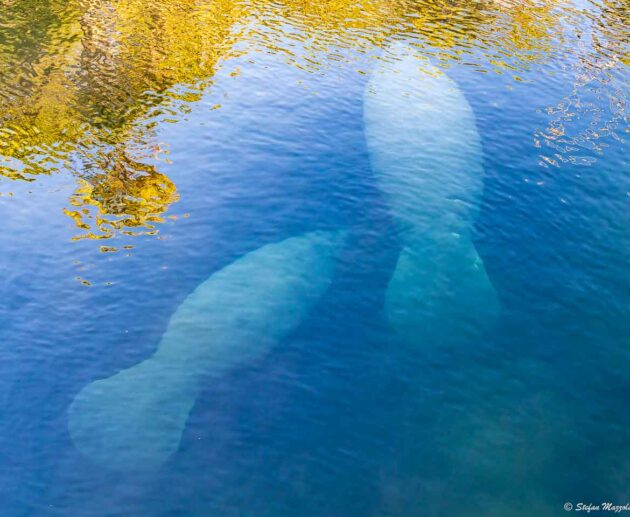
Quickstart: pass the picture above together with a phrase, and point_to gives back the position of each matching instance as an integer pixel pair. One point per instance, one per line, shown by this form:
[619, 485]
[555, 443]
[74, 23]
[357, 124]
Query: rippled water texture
[313, 257]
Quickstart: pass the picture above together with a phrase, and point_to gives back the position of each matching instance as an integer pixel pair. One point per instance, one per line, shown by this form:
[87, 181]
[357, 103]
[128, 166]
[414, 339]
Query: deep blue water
[338, 419]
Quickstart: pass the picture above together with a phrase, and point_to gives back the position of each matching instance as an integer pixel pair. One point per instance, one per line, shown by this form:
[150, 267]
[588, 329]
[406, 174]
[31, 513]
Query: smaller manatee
[134, 419]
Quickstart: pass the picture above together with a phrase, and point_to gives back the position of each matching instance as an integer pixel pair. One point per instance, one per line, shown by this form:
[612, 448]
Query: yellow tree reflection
[92, 78]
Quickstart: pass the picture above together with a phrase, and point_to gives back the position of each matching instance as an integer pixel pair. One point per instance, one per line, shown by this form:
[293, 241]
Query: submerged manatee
[134, 419]
[426, 153]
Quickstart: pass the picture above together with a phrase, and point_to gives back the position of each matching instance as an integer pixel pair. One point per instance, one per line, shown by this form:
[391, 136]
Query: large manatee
[134, 419]
[426, 153]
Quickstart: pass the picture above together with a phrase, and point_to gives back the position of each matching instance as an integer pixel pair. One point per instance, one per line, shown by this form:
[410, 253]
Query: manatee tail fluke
[134, 419]
[440, 295]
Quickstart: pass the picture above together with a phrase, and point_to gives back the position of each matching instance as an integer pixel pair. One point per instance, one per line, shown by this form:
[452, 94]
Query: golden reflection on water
[124, 196]
[84, 82]
[578, 123]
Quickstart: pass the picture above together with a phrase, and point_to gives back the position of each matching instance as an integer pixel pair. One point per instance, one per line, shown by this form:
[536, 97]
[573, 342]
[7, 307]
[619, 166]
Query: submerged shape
[426, 152]
[134, 420]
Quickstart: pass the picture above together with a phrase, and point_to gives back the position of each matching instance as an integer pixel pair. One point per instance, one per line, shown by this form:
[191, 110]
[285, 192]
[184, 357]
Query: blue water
[338, 419]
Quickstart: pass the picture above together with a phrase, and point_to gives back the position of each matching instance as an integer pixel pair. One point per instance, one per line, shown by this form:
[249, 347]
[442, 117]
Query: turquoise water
[340, 416]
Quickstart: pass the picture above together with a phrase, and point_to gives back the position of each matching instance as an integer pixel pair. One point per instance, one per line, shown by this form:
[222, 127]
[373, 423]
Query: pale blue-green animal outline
[425, 152]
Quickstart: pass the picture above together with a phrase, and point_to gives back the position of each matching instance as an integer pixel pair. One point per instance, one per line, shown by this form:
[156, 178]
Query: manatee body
[426, 153]
[134, 419]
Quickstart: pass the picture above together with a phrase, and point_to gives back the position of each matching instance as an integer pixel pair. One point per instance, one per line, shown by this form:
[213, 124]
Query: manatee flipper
[426, 153]
[134, 419]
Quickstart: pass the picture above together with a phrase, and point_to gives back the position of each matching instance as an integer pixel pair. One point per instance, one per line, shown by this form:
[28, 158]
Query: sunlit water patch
[313, 258]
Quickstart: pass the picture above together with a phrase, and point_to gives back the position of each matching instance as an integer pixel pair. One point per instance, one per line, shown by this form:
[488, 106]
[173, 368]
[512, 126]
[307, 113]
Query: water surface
[146, 145]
